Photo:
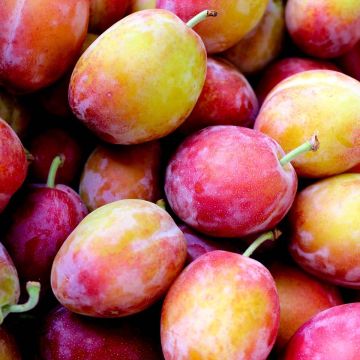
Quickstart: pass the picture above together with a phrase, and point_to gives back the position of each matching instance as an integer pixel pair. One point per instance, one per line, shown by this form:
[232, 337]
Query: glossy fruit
[121, 172]
[39, 41]
[119, 260]
[261, 45]
[301, 297]
[322, 102]
[325, 229]
[235, 19]
[139, 80]
[333, 334]
[40, 221]
[323, 28]
[215, 178]
[227, 98]
[222, 306]
[63, 331]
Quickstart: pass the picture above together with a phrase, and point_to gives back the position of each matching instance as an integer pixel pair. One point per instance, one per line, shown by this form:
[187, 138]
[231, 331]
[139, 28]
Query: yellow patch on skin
[220, 309]
[329, 211]
[136, 95]
[301, 106]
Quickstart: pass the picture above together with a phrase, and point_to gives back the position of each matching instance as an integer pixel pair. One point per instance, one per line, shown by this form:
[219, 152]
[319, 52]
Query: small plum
[333, 334]
[284, 68]
[322, 102]
[325, 229]
[227, 181]
[39, 221]
[235, 19]
[119, 260]
[260, 46]
[222, 306]
[121, 172]
[301, 297]
[140, 79]
[119, 339]
[323, 28]
[39, 41]
[227, 98]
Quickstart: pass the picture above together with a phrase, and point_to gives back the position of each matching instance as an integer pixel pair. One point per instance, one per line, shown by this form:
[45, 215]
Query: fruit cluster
[148, 148]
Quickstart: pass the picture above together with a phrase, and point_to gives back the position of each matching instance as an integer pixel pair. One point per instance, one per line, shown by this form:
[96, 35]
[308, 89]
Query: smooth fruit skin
[323, 28]
[325, 229]
[104, 13]
[322, 102]
[122, 172]
[284, 68]
[9, 281]
[301, 297]
[140, 79]
[350, 62]
[39, 40]
[235, 18]
[227, 98]
[333, 334]
[13, 163]
[8, 347]
[222, 306]
[261, 45]
[214, 180]
[119, 260]
[39, 222]
[63, 332]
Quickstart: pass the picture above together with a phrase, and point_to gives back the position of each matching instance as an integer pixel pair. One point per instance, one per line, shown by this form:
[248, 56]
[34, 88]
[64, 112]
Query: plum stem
[56, 163]
[29, 156]
[310, 145]
[33, 289]
[161, 203]
[270, 235]
[200, 17]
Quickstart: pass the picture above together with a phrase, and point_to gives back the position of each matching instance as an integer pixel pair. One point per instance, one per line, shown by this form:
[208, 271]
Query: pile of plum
[148, 149]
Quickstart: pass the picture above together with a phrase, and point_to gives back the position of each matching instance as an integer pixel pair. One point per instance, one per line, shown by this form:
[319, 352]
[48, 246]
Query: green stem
[311, 145]
[33, 289]
[56, 163]
[270, 235]
[161, 203]
[200, 17]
